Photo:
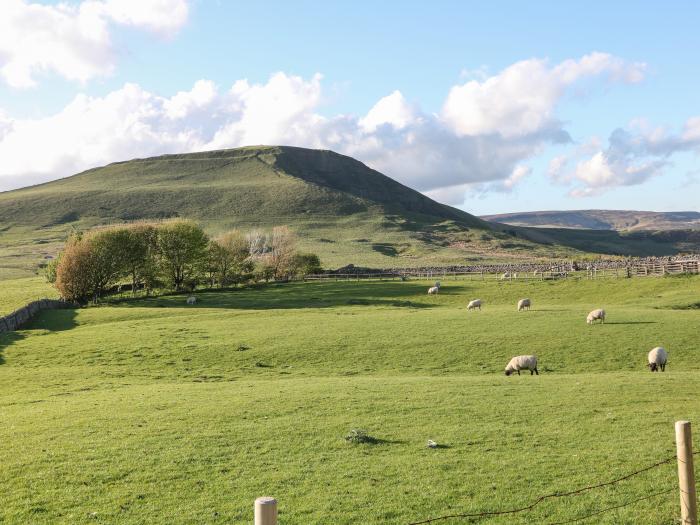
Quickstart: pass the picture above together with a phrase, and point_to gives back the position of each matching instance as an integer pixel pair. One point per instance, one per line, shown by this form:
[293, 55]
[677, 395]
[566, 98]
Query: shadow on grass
[631, 322]
[51, 320]
[295, 296]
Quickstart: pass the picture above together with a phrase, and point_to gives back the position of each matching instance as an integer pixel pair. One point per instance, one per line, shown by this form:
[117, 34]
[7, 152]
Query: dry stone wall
[19, 317]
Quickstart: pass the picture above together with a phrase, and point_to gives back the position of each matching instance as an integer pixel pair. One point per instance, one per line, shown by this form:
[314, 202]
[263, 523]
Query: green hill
[620, 220]
[340, 208]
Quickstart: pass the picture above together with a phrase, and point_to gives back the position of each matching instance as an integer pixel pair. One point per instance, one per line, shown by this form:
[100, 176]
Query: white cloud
[165, 17]
[521, 99]
[74, 40]
[392, 109]
[632, 157]
[519, 173]
[426, 151]
[556, 168]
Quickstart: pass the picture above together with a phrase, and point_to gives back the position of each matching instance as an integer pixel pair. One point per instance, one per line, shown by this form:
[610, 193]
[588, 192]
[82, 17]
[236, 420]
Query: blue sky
[469, 101]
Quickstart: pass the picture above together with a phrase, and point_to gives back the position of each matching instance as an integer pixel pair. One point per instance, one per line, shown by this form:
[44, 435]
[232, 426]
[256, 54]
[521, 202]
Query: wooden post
[266, 511]
[686, 474]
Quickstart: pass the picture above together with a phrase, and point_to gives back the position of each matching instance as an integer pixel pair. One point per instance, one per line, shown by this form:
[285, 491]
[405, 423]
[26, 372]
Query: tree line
[174, 255]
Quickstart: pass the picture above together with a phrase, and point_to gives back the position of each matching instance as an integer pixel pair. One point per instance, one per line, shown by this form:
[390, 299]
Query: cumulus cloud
[482, 138]
[632, 157]
[74, 40]
[521, 99]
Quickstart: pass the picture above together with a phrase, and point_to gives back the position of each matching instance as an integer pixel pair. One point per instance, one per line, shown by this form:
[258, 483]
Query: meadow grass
[15, 293]
[150, 411]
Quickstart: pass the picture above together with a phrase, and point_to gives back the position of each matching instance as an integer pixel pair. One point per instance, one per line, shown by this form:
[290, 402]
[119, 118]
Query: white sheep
[433, 290]
[598, 314]
[522, 362]
[476, 303]
[657, 359]
[523, 303]
[505, 276]
[191, 299]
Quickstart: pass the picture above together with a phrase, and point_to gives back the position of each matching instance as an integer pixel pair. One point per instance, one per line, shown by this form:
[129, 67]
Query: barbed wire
[626, 504]
[575, 492]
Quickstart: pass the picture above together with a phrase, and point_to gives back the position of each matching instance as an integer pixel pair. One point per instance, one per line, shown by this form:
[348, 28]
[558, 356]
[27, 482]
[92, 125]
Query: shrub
[359, 436]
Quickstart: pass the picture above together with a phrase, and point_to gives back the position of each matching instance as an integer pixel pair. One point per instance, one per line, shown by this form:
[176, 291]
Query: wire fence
[554, 495]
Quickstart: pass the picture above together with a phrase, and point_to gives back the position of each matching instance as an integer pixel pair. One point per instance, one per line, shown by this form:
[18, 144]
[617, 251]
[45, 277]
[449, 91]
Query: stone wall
[19, 317]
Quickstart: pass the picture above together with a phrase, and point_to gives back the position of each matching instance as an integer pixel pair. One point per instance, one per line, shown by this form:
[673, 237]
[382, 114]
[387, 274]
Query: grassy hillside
[152, 411]
[620, 220]
[341, 209]
[16, 293]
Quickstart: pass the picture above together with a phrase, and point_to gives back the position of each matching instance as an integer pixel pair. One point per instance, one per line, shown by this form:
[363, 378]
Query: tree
[282, 244]
[139, 249]
[50, 270]
[105, 248]
[305, 264]
[73, 272]
[236, 263]
[182, 248]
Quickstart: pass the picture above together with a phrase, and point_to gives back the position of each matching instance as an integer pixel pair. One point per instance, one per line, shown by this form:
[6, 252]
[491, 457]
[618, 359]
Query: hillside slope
[619, 220]
[340, 208]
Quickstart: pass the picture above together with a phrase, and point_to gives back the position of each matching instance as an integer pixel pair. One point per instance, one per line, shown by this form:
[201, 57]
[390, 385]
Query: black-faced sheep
[523, 304]
[657, 359]
[522, 362]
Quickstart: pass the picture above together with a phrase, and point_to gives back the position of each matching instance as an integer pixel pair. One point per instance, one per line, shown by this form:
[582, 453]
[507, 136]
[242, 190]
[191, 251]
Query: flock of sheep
[656, 358]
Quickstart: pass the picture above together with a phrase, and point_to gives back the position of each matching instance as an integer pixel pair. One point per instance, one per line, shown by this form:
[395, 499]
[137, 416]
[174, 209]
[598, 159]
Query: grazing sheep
[523, 303]
[191, 299]
[476, 303]
[657, 359]
[598, 314]
[433, 290]
[522, 362]
[505, 276]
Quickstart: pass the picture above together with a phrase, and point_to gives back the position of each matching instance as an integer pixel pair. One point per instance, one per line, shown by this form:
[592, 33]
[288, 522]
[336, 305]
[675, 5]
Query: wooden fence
[634, 269]
[265, 508]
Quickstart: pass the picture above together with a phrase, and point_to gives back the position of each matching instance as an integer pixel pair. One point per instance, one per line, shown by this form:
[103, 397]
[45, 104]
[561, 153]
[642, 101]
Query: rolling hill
[619, 220]
[340, 208]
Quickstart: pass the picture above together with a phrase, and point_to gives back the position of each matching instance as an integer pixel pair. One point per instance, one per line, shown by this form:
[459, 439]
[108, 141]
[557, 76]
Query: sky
[491, 107]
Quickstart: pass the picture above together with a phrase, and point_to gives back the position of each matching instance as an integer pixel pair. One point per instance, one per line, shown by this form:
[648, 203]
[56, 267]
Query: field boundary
[533, 272]
[16, 319]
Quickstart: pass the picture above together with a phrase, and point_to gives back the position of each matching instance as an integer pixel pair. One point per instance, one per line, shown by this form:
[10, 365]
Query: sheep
[476, 303]
[191, 299]
[657, 359]
[433, 290]
[596, 314]
[522, 362]
[505, 276]
[523, 303]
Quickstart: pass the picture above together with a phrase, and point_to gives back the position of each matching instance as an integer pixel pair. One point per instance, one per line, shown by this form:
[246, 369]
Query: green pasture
[152, 411]
[16, 293]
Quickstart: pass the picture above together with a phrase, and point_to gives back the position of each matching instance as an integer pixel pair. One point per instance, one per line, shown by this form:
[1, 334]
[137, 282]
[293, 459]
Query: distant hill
[619, 220]
[339, 207]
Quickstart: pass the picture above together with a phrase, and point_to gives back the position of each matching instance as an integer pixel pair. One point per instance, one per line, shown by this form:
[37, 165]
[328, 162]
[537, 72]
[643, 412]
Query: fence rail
[634, 269]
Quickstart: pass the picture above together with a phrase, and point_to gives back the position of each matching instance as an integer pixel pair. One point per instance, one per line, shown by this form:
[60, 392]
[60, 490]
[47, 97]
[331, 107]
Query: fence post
[266, 511]
[686, 473]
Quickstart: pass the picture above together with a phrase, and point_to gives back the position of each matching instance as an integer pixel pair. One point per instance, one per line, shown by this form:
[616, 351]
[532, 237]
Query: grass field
[149, 411]
[16, 293]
